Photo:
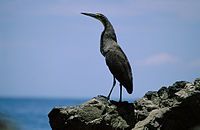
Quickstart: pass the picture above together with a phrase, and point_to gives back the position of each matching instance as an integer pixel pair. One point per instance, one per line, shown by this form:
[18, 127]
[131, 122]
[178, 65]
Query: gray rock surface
[176, 107]
[96, 114]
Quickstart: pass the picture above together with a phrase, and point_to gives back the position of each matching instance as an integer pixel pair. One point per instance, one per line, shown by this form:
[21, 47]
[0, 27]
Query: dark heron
[116, 59]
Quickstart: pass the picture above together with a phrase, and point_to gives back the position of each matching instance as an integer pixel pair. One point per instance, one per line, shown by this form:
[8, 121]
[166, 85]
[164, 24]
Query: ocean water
[30, 113]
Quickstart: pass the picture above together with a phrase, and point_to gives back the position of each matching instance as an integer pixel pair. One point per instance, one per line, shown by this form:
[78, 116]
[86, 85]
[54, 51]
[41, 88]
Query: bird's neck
[109, 31]
[107, 36]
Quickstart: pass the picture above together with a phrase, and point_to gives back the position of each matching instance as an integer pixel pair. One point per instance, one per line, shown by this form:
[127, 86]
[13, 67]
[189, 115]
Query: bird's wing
[119, 66]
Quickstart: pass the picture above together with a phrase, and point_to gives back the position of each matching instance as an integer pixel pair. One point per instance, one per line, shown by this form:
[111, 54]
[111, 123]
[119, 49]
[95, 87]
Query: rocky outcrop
[176, 107]
[96, 114]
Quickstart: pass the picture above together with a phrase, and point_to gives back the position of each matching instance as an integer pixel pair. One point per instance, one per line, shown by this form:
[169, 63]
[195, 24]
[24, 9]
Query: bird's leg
[114, 82]
[120, 100]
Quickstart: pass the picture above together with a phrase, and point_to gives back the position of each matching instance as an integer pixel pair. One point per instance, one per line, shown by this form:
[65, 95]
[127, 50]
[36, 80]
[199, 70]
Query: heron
[115, 58]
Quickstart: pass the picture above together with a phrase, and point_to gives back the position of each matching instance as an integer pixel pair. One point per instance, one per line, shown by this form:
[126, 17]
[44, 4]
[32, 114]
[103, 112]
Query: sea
[30, 113]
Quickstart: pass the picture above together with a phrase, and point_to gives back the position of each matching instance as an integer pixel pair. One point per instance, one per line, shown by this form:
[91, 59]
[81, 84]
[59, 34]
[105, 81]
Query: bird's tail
[129, 88]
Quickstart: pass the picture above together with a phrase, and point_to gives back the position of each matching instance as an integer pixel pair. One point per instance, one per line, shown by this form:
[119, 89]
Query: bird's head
[98, 16]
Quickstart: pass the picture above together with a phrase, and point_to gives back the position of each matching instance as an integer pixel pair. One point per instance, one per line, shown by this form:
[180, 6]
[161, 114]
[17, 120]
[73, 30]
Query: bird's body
[115, 58]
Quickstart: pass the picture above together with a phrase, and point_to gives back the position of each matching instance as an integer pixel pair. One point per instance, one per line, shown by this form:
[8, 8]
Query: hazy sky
[48, 49]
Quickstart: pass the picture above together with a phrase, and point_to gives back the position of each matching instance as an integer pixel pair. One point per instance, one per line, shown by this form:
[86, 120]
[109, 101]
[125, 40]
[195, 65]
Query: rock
[176, 107]
[96, 114]
[7, 123]
[152, 120]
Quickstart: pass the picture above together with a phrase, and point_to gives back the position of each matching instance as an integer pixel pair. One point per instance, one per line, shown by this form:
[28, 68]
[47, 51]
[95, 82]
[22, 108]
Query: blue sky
[48, 49]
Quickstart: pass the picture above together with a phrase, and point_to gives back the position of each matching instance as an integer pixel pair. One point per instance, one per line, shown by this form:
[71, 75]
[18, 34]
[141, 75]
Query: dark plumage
[116, 59]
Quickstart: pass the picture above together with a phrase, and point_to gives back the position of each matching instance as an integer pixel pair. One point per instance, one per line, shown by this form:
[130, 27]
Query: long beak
[90, 14]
